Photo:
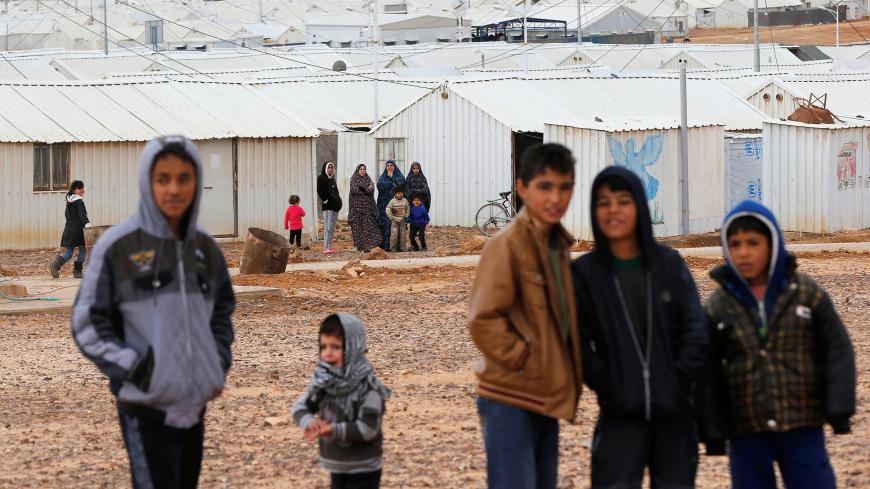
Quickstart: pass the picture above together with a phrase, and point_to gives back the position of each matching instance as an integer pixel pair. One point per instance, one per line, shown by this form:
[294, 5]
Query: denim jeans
[329, 220]
[68, 253]
[800, 454]
[522, 447]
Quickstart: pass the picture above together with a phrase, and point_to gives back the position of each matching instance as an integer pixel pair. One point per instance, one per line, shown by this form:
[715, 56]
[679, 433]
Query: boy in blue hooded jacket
[780, 361]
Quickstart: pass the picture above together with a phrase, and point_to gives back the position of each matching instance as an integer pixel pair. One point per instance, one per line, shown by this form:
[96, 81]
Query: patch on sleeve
[143, 260]
[803, 312]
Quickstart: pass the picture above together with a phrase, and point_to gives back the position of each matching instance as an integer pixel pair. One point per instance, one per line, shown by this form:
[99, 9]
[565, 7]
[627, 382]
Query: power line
[507, 55]
[268, 53]
[660, 29]
[125, 47]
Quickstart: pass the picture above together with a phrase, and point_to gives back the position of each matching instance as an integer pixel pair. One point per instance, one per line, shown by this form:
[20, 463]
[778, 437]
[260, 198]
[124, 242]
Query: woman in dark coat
[73, 231]
[389, 181]
[418, 186]
[327, 190]
[363, 212]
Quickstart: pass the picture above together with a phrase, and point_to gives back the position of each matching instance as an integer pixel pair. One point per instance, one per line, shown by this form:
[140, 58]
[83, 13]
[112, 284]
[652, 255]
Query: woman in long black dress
[363, 215]
[73, 231]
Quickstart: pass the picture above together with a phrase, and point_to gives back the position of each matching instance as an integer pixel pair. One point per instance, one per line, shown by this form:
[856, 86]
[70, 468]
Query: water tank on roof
[396, 8]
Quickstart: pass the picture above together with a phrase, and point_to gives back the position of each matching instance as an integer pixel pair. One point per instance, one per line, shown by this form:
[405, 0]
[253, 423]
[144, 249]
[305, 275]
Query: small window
[51, 166]
[391, 149]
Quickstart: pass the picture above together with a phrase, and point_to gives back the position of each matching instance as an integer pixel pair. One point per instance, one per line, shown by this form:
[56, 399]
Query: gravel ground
[59, 428]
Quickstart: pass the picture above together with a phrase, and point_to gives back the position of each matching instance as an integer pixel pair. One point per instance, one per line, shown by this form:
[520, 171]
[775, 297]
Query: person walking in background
[418, 186]
[327, 190]
[363, 211]
[343, 406]
[780, 364]
[419, 220]
[293, 221]
[154, 314]
[398, 212]
[644, 341]
[523, 320]
[389, 181]
[76, 216]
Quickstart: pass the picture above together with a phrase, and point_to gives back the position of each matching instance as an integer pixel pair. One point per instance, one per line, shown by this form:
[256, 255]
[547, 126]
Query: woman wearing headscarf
[418, 187]
[73, 237]
[391, 179]
[327, 190]
[363, 211]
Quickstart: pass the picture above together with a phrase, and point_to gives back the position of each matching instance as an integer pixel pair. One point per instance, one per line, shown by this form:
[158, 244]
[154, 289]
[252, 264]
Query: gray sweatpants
[329, 220]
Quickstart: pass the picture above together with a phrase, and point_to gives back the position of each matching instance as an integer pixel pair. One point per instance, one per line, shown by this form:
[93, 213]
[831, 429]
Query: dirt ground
[801, 34]
[59, 428]
[446, 240]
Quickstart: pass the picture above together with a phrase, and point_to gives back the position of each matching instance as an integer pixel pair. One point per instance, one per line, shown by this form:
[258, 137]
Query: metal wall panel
[269, 171]
[817, 178]
[35, 219]
[779, 103]
[593, 150]
[465, 154]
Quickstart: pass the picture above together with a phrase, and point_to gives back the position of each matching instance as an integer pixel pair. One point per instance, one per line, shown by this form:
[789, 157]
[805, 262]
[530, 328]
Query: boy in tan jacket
[523, 319]
[398, 212]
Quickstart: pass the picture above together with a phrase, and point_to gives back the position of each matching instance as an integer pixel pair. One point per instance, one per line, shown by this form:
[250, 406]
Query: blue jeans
[329, 220]
[522, 447]
[66, 255]
[800, 454]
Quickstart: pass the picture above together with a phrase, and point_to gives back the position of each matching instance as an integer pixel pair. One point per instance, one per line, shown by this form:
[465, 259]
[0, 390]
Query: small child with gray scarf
[343, 406]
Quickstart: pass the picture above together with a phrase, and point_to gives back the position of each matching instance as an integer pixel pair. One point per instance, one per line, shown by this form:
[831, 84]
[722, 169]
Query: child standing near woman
[293, 220]
[344, 405]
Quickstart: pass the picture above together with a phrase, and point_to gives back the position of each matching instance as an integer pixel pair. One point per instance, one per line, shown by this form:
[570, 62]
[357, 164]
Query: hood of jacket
[323, 169]
[777, 278]
[649, 247]
[72, 198]
[151, 219]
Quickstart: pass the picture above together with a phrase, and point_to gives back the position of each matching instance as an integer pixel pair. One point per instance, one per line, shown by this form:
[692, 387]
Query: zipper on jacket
[179, 250]
[643, 356]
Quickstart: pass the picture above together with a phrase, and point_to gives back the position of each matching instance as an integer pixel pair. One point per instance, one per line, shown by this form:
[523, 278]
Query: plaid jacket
[801, 374]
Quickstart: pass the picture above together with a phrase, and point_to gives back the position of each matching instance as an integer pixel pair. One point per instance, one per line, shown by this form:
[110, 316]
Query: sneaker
[330, 251]
[325, 252]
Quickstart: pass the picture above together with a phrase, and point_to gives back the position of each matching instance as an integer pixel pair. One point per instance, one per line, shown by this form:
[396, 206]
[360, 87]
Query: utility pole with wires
[579, 22]
[755, 37]
[260, 10]
[684, 147]
[376, 40]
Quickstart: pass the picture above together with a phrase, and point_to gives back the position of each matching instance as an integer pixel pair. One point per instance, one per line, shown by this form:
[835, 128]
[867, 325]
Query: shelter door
[218, 212]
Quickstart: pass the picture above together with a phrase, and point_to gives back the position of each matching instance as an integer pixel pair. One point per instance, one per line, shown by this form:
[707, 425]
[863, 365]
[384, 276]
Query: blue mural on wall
[641, 163]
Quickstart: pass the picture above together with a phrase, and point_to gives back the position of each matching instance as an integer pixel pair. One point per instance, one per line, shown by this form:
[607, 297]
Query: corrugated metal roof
[28, 121]
[526, 104]
[331, 104]
[67, 112]
[617, 124]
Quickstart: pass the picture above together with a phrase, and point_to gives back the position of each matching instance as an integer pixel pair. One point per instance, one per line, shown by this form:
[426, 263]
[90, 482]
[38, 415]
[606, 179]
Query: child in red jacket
[293, 220]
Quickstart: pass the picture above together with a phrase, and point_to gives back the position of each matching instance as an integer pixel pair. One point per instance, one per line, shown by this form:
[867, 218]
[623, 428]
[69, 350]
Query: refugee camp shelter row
[650, 149]
[469, 136]
[253, 154]
[817, 177]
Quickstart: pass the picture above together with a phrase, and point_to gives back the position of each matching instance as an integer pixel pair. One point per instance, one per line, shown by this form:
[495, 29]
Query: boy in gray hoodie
[344, 405]
[153, 313]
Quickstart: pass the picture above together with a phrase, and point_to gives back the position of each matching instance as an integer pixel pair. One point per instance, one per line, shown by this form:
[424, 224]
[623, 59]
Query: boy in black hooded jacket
[643, 339]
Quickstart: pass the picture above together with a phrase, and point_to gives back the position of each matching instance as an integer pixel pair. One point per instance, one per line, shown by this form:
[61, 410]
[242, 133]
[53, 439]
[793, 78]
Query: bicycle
[495, 215]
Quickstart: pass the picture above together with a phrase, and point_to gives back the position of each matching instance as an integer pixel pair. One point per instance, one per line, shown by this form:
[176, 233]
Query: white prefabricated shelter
[651, 149]
[817, 177]
[254, 155]
[469, 136]
[848, 95]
